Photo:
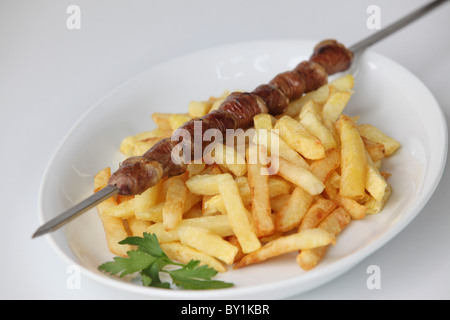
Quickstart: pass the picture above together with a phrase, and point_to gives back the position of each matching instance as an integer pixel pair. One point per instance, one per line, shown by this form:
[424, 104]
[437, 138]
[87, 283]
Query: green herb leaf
[136, 261]
[149, 260]
[148, 244]
[192, 276]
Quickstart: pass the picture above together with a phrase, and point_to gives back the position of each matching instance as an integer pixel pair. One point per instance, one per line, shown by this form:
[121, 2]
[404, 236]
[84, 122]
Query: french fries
[258, 181]
[238, 215]
[299, 138]
[307, 239]
[316, 169]
[353, 160]
[175, 200]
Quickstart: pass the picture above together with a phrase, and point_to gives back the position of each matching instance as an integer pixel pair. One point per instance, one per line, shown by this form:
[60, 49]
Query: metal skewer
[109, 191]
[77, 210]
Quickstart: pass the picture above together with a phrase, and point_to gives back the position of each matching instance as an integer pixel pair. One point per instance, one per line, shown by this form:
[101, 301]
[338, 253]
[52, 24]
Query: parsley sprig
[150, 260]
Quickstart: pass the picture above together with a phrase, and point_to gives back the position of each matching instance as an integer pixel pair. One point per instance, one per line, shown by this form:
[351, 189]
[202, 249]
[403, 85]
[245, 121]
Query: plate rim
[342, 265]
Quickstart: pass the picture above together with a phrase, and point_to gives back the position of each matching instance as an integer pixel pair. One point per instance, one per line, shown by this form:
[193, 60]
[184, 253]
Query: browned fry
[277, 202]
[322, 168]
[137, 227]
[258, 181]
[376, 150]
[357, 211]
[234, 241]
[316, 213]
[300, 176]
[306, 239]
[175, 201]
[333, 223]
[292, 212]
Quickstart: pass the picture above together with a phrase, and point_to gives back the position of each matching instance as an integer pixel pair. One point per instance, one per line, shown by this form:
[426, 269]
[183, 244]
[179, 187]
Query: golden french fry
[194, 212]
[335, 104]
[154, 133]
[334, 223]
[177, 120]
[376, 150]
[234, 241]
[179, 252]
[300, 176]
[231, 159]
[353, 160]
[316, 213]
[197, 109]
[146, 200]
[195, 169]
[218, 224]
[277, 202]
[373, 133]
[133, 145]
[373, 206]
[258, 181]
[101, 179]
[293, 210]
[137, 227]
[153, 214]
[123, 210]
[216, 104]
[298, 137]
[217, 101]
[205, 184]
[343, 83]
[323, 168]
[263, 121]
[162, 120]
[312, 121]
[244, 190]
[320, 96]
[357, 211]
[212, 205]
[208, 242]
[276, 146]
[306, 239]
[375, 183]
[192, 199]
[175, 201]
[278, 186]
[312, 107]
[237, 214]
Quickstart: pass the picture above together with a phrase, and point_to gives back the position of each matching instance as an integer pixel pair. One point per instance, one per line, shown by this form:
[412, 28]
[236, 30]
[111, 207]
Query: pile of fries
[236, 214]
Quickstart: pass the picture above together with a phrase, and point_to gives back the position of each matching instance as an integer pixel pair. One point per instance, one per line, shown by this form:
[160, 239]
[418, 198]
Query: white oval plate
[386, 95]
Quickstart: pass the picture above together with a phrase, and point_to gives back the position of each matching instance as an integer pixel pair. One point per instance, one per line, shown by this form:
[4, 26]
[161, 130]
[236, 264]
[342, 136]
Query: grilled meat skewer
[137, 174]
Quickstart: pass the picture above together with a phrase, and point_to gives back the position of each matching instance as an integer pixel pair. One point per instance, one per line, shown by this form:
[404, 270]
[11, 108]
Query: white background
[50, 76]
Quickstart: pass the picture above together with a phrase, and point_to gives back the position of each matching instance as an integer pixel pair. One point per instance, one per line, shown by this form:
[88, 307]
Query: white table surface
[50, 76]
